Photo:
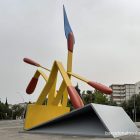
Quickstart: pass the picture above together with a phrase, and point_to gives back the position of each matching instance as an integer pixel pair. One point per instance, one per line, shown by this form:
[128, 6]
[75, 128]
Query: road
[13, 130]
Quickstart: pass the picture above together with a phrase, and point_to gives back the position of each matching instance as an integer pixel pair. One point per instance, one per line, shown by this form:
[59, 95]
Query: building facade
[137, 87]
[124, 92]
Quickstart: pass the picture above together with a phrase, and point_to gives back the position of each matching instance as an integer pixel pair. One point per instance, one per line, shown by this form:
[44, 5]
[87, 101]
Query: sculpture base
[91, 120]
[40, 114]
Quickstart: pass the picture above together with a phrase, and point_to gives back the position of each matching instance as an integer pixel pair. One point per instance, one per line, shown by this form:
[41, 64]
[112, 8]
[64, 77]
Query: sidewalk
[10, 130]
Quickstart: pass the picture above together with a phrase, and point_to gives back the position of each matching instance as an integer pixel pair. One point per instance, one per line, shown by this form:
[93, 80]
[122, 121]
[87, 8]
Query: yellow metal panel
[78, 77]
[48, 85]
[38, 114]
[62, 95]
[63, 73]
[43, 74]
[51, 94]
[69, 61]
[65, 98]
[43, 94]
[59, 94]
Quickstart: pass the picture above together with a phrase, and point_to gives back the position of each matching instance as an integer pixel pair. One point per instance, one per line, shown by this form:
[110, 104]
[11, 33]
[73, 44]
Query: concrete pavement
[12, 130]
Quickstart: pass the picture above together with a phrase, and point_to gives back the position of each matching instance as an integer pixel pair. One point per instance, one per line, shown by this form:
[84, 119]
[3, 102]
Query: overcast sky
[107, 44]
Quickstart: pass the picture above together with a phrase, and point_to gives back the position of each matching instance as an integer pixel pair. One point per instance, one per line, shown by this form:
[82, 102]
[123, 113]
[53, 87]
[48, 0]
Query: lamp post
[134, 112]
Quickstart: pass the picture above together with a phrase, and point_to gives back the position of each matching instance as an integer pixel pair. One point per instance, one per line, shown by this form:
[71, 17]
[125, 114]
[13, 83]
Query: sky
[107, 44]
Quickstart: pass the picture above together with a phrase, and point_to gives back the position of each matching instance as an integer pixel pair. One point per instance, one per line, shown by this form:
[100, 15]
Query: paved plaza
[13, 130]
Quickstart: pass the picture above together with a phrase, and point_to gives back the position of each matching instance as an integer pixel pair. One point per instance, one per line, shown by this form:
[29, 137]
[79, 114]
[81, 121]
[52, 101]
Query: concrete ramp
[91, 120]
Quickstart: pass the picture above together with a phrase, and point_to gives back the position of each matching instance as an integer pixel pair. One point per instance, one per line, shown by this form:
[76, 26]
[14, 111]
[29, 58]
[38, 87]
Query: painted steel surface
[115, 119]
[56, 98]
[91, 120]
[39, 114]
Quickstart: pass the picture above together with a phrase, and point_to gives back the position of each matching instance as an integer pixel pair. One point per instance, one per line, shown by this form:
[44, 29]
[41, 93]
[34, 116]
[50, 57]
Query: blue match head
[67, 27]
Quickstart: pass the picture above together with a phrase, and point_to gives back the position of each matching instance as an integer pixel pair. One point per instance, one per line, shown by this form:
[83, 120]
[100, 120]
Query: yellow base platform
[38, 114]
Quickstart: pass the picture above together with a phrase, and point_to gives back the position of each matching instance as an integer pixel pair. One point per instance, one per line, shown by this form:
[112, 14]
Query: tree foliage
[129, 106]
[88, 96]
[7, 113]
[17, 111]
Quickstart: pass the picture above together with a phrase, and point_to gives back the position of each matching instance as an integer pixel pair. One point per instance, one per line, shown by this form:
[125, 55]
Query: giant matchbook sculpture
[55, 117]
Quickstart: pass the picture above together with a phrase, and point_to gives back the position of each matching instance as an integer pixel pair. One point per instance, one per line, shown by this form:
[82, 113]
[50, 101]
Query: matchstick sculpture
[38, 113]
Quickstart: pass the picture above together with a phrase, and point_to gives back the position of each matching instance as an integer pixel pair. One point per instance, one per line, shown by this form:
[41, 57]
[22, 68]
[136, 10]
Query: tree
[78, 89]
[5, 112]
[6, 102]
[112, 103]
[95, 96]
[17, 111]
[87, 97]
[70, 105]
[100, 98]
[129, 106]
[90, 96]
